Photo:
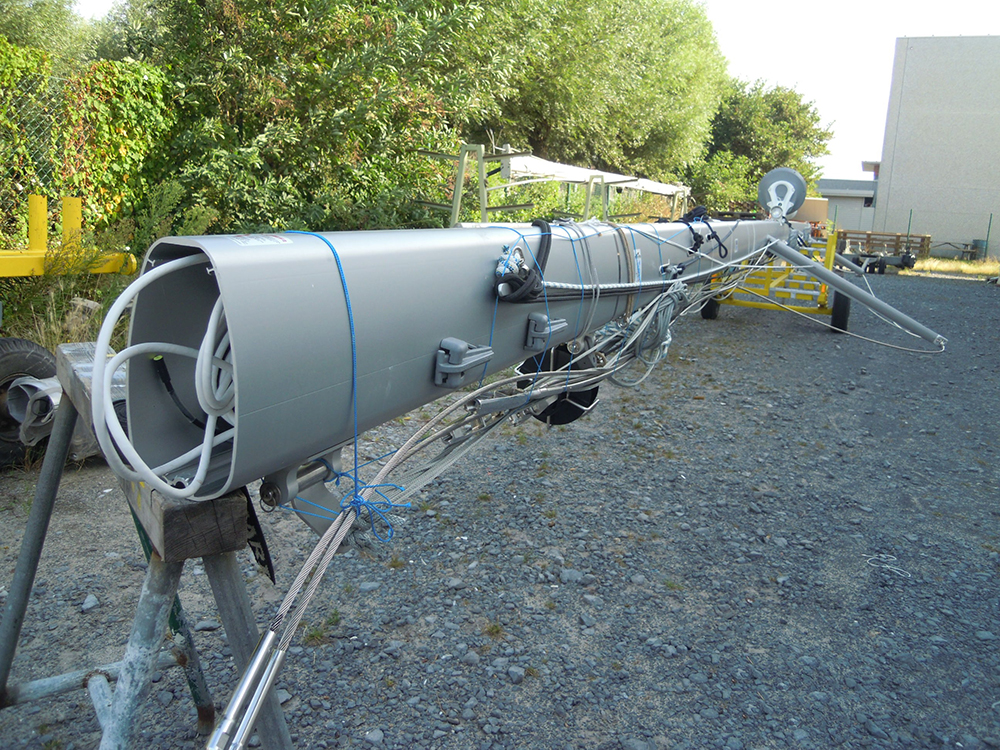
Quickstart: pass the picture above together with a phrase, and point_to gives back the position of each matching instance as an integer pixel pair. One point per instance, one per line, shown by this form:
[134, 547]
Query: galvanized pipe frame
[49, 687]
[158, 604]
[184, 648]
[141, 652]
[34, 539]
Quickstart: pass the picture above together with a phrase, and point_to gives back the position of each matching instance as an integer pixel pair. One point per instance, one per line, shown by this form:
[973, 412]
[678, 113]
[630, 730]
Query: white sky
[93, 8]
[837, 54]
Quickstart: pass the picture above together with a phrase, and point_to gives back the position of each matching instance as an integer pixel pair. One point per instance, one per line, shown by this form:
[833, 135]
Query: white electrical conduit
[213, 382]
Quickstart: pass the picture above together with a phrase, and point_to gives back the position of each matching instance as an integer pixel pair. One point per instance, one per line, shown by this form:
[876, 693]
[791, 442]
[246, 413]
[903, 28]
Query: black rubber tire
[881, 266]
[18, 358]
[841, 312]
[710, 311]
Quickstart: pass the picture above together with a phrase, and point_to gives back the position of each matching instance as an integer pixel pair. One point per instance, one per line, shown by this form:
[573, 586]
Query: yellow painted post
[831, 251]
[72, 219]
[822, 301]
[38, 223]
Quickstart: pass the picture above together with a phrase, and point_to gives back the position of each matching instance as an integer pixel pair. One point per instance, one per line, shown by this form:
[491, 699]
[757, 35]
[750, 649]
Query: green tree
[50, 25]
[771, 127]
[628, 85]
[722, 182]
[307, 113]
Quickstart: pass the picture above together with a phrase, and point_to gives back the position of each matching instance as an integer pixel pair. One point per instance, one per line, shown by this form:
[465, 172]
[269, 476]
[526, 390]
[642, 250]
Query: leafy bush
[87, 136]
[723, 182]
[115, 115]
[308, 113]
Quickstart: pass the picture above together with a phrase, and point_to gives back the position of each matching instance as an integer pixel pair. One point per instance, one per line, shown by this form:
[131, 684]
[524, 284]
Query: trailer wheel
[568, 407]
[18, 358]
[710, 311]
[841, 312]
[881, 265]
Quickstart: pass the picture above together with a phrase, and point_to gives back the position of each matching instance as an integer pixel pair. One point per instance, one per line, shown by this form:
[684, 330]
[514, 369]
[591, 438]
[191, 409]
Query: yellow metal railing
[31, 261]
[789, 287]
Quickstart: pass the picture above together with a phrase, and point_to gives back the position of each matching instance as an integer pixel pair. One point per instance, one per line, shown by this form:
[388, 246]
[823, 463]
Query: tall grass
[978, 268]
[53, 308]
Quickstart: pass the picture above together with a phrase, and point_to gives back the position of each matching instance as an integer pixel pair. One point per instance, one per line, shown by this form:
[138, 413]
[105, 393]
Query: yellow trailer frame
[31, 262]
[790, 288]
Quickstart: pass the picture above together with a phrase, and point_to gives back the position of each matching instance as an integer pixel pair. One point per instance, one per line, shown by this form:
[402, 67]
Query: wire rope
[939, 350]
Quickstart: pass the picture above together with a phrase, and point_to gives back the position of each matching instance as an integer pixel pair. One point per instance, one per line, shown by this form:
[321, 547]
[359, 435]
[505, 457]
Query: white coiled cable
[214, 385]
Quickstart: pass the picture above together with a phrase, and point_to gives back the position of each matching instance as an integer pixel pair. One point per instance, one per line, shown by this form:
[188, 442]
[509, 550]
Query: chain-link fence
[34, 151]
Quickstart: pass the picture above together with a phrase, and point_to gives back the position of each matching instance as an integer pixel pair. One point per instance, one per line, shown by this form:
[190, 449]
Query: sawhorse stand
[174, 532]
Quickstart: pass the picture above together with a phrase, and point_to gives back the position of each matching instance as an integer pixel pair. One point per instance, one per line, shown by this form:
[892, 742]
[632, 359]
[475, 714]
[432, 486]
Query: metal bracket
[455, 359]
[782, 192]
[779, 206]
[283, 486]
[540, 331]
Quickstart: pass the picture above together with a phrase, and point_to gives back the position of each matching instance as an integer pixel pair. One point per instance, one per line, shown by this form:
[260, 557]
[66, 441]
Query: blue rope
[357, 502]
[354, 501]
[379, 508]
[583, 299]
[579, 276]
[336, 474]
[579, 310]
[328, 513]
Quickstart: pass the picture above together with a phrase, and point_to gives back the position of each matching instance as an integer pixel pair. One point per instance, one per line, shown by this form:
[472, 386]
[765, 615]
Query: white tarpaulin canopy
[534, 169]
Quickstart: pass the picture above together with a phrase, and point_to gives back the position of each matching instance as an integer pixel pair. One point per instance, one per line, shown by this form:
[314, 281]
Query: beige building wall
[941, 151]
[847, 199]
[851, 213]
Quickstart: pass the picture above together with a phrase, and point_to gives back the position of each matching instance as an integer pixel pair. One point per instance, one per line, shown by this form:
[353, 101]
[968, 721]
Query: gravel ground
[784, 538]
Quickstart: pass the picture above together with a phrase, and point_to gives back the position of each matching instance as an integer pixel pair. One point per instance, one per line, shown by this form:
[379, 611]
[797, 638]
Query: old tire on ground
[841, 312]
[710, 311]
[18, 357]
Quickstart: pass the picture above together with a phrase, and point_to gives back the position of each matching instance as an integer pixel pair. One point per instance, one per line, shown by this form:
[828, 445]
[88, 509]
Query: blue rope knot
[375, 507]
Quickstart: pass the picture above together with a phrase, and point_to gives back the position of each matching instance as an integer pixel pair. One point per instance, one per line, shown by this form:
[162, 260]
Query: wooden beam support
[178, 529]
